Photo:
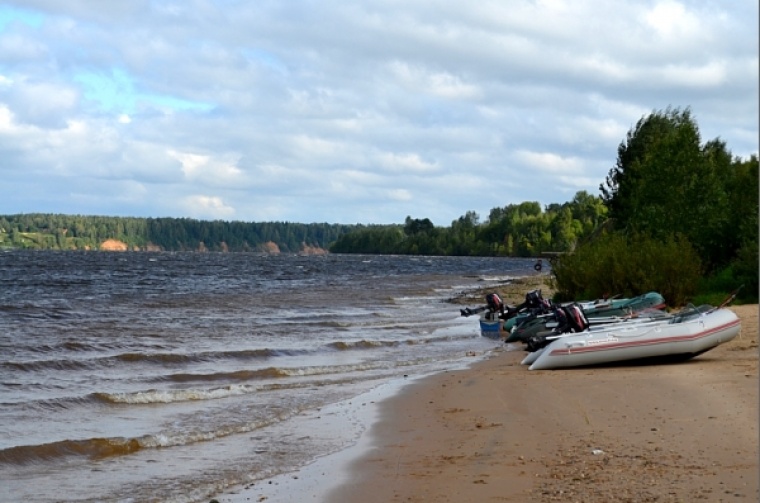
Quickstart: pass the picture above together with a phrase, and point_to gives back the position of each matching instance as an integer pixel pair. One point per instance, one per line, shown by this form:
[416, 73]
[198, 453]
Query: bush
[746, 271]
[629, 265]
[743, 272]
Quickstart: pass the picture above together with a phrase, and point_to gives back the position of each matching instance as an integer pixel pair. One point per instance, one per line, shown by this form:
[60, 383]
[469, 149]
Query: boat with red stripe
[683, 336]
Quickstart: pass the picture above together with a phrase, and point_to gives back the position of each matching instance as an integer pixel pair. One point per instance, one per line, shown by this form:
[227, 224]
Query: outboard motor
[578, 321]
[570, 319]
[534, 301]
[494, 303]
[563, 324]
[494, 306]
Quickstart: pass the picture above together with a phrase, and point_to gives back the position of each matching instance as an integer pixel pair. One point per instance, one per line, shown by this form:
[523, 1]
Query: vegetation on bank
[618, 263]
[515, 230]
[683, 219]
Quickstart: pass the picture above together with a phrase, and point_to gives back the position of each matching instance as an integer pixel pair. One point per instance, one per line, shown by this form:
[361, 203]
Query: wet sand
[497, 432]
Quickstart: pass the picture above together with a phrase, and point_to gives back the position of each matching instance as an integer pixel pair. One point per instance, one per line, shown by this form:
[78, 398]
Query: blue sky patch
[115, 92]
[10, 15]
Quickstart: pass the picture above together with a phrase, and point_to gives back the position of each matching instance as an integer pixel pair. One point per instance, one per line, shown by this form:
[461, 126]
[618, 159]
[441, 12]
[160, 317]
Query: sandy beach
[497, 432]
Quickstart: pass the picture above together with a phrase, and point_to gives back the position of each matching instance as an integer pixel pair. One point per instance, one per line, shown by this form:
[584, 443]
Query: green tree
[742, 230]
[664, 183]
[461, 238]
[417, 226]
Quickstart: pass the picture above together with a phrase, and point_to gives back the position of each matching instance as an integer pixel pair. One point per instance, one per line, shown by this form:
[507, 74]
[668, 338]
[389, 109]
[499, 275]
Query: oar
[731, 297]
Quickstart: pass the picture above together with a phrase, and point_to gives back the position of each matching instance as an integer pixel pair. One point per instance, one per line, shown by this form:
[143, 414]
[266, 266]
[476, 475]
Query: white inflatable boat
[683, 336]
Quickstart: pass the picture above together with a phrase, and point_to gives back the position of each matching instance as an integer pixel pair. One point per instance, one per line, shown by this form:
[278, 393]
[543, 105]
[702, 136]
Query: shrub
[746, 271]
[629, 265]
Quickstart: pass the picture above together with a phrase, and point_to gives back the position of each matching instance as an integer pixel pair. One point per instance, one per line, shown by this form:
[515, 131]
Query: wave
[495, 278]
[172, 396]
[49, 309]
[147, 358]
[284, 372]
[35, 365]
[77, 346]
[94, 448]
[237, 375]
[155, 396]
[163, 358]
[243, 354]
[164, 396]
[158, 358]
[100, 448]
[52, 404]
[362, 344]
[367, 344]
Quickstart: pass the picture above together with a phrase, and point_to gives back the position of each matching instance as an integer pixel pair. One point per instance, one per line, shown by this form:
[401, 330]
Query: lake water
[175, 376]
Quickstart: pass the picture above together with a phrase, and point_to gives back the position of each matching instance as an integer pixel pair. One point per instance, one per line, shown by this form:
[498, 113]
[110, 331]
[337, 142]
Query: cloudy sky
[351, 112]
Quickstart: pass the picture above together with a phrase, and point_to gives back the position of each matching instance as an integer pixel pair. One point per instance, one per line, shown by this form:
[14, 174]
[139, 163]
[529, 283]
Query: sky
[360, 112]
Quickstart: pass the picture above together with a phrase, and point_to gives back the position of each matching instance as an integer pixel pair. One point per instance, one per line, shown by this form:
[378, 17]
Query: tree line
[77, 232]
[517, 230]
[523, 230]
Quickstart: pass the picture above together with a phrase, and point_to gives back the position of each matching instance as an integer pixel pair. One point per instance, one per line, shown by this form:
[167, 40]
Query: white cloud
[7, 124]
[313, 146]
[206, 168]
[332, 112]
[406, 163]
[671, 20]
[709, 75]
[192, 164]
[208, 207]
[40, 103]
[420, 80]
[442, 84]
[549, 163]
[400, 195]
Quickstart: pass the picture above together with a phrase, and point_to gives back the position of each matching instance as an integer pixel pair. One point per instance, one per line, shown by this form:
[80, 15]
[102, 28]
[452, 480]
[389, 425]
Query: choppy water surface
[172, 376]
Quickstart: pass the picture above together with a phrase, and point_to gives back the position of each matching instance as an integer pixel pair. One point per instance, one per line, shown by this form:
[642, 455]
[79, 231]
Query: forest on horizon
[44, 231]
[533, 230]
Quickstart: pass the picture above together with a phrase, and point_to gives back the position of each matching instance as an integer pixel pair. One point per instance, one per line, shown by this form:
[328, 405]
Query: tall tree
[665, 183]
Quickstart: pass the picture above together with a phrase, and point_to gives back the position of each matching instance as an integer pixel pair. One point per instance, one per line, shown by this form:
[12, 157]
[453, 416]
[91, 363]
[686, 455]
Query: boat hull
[640, 341]
[532, 356]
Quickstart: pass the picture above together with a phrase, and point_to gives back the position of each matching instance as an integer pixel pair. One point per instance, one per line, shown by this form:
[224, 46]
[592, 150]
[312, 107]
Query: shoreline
[671, 432]
[495, 432]
[512, 291]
